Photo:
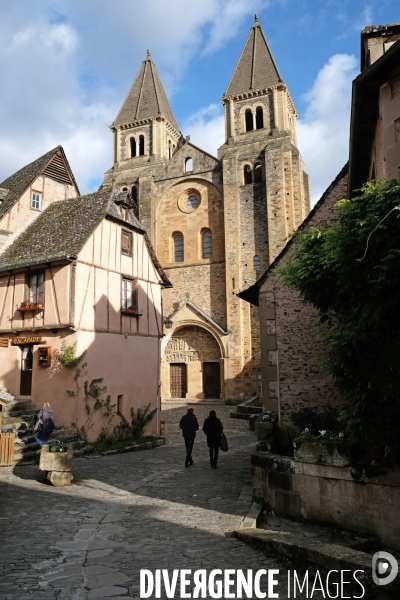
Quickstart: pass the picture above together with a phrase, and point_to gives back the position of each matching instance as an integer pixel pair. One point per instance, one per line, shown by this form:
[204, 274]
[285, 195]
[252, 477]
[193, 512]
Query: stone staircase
[18, 415]
[252, 406]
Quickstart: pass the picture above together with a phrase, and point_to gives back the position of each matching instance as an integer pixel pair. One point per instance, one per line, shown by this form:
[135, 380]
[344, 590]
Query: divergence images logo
[384, 563]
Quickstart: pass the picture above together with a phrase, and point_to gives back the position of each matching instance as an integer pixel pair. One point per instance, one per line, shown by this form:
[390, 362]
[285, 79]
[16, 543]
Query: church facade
[216, 223]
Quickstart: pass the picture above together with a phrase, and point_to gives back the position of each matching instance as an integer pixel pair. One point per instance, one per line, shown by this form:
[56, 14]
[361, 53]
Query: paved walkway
[126, 512]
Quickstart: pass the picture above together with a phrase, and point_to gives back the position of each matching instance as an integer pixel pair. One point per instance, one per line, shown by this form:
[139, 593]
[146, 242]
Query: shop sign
[4, 342]
[23, 341]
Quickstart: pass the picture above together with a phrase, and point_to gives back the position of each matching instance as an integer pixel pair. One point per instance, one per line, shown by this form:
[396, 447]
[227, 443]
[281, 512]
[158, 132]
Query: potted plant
[264, 425]
[327, 448]
[56, 458]
[27, 305]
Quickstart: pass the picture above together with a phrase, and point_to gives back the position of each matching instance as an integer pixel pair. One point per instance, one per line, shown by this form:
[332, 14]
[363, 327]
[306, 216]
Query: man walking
[213, 429]
[189, 426]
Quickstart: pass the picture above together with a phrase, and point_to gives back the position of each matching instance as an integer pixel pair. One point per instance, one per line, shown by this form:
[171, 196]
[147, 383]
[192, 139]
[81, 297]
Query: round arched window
[192, 202]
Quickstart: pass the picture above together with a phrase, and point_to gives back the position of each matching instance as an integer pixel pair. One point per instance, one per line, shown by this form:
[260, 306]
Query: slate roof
[17, 184]
[146, 98]
[61, 231]
[256, 68]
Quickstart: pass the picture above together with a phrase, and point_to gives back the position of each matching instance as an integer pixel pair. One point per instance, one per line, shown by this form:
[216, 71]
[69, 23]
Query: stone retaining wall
[340, 496]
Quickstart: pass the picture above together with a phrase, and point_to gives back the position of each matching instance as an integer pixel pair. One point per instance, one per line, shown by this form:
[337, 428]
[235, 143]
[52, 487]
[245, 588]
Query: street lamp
[168, 323]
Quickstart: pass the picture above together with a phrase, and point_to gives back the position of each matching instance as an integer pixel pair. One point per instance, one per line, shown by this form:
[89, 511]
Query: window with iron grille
[178, 248]
[129, 295]
[126, 242]
[35, 204]
[207, 244]
[36, 287]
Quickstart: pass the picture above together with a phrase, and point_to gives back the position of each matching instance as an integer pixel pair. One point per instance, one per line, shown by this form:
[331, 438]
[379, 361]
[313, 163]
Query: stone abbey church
[215, 223]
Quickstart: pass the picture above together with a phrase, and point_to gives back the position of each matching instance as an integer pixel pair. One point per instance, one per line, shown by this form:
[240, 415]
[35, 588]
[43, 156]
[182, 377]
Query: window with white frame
[36, 287]
[129, 295]
[36, 201]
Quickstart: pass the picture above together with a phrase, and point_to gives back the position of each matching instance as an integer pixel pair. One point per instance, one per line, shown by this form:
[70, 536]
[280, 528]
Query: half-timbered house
[83, 272]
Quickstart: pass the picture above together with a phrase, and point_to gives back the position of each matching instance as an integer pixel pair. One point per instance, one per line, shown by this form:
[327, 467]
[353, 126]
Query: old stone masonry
[124, 513]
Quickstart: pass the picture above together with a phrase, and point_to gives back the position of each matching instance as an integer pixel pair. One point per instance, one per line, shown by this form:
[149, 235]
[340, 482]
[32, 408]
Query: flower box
[321, 454]
[31, 306]
[55, 461]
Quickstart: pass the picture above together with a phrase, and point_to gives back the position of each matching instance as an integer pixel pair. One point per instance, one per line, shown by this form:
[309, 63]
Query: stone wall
[204, 285]
[289, 331]
[333, 495]
[385, 159]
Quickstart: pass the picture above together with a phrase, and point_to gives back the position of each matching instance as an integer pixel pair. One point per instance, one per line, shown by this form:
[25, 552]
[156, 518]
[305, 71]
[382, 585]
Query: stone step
[76, 444]
[237, 415]
[23, 414]
[22, 428]
[33, 456]
[19, 416]
[249, 410]
[64, 435]
[19, 405]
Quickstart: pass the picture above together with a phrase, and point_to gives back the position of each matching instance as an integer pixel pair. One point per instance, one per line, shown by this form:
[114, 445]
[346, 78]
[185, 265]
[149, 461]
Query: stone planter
[264, 430]
[319, 454]
[58, 466]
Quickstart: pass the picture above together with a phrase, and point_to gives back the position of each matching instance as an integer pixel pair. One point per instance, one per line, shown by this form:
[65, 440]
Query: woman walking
[44, 425]
[213, 428]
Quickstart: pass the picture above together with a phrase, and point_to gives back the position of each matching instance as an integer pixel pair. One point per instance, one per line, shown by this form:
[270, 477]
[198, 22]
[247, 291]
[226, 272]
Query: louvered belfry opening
[57, 170]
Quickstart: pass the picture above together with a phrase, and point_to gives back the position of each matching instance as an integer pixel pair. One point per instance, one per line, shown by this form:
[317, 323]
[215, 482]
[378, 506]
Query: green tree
[351, 273]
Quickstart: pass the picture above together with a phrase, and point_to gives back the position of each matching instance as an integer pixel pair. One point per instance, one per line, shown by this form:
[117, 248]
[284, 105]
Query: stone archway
[192, 364]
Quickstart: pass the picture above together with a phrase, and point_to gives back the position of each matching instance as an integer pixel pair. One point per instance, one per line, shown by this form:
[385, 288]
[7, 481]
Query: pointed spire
[146, 98]
[256, 68]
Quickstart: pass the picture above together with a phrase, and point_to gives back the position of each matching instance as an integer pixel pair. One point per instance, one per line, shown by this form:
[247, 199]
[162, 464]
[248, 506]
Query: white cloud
[351, 26]
[206, 128]
[67, 65]
[228, 18]
[323, 132]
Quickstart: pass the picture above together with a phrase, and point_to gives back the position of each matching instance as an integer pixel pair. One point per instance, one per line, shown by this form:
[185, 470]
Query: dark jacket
[189, 426]
[45, 417]
[213, 428]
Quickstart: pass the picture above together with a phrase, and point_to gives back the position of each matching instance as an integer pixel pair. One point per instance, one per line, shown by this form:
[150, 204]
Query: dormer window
[36, 201]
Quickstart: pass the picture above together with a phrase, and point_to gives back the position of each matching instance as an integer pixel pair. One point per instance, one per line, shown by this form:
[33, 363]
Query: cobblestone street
[126, 512]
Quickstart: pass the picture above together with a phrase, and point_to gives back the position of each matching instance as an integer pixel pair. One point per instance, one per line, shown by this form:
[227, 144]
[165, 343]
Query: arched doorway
[194, 359]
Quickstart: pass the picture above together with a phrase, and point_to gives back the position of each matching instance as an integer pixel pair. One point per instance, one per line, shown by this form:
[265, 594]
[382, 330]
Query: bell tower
[145, 137]
[266, 191]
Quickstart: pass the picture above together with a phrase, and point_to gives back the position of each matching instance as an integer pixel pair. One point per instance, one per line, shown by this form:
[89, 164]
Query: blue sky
[66, 66]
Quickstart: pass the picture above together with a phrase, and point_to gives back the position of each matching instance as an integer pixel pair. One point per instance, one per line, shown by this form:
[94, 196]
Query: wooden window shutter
[126, 242]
